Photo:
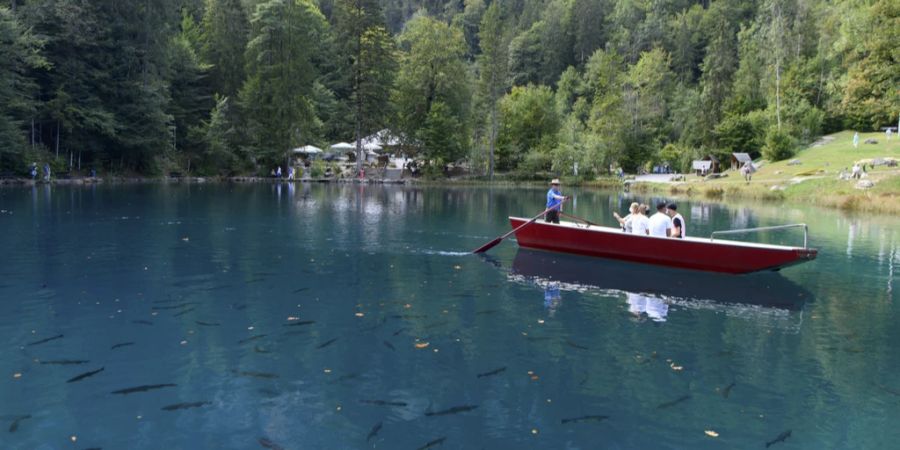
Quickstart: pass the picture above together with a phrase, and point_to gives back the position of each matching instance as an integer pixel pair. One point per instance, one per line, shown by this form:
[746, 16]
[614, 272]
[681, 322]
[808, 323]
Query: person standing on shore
[856, 140]
[554, 200]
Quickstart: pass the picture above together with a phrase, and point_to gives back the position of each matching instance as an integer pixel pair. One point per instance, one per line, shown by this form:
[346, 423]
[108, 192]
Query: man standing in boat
[554, 200]
[660, 223]
[678, 227]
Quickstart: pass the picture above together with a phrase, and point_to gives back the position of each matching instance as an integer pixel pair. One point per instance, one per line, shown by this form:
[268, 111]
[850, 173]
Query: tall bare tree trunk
[356, 87]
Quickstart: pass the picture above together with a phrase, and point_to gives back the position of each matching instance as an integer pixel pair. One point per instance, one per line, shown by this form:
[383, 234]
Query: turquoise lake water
[351, 317]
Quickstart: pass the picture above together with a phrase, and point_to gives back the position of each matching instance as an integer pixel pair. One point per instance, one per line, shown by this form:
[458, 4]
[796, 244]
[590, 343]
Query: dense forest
[516, 86]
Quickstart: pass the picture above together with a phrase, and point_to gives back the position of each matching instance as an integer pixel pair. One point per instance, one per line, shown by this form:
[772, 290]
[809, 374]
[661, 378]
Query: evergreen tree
[432, 70]
[19, 50]
[276, 99]
[371, 64]
[492, 65]
[225, 32]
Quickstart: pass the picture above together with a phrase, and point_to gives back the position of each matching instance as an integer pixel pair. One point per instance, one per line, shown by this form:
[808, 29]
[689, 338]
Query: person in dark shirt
[678, 225]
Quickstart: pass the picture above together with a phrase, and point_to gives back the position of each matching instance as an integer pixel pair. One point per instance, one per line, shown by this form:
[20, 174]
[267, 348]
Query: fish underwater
[65, 362]
[266, 443]
[780, 438]
[453, 410]
[382, 403]
[85, 375]
[433, 443]
[43, 341]
[374, 432]
[673, 402]
[143, 388]
[727, 390]
[187, 405]
[596, 418]
[327, 343]
[492, 372]
[253, 374]
[14, 426]
[252, 338]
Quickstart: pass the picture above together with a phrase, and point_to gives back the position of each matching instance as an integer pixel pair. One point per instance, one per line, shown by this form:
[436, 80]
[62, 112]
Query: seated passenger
[678, 225]
[660, 223]
[639, 222]
[625, 222]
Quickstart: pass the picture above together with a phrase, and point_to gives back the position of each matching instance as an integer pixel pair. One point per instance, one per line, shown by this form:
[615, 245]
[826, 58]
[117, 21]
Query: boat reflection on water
[650, 291]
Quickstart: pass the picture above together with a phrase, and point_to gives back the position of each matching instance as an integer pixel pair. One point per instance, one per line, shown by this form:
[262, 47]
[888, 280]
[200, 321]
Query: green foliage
[225, 31]
[370, 66]
[276, 98]
[227, 85]
[871, 97]
[738, 133]
[779, 145]
[19, 51]
[433, 76]
[530, 123]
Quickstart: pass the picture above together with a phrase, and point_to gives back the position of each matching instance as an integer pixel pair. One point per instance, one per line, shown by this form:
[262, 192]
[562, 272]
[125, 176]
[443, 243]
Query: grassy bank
[811, 178]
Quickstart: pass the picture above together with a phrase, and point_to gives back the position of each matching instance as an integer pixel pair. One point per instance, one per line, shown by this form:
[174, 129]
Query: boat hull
[691, 253]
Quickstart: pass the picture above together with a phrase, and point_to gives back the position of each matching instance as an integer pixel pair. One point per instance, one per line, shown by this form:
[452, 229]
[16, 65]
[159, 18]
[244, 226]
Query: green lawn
[815, 179]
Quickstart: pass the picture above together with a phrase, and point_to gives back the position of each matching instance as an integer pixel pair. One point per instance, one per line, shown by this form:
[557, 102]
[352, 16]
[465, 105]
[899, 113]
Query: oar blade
[488, 246]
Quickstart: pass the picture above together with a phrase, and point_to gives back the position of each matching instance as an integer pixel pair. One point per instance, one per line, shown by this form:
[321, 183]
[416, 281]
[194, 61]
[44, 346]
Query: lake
[351, 316]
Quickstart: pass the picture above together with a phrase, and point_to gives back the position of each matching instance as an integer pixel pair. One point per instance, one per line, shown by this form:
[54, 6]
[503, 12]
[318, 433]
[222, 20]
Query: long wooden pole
[499, 239]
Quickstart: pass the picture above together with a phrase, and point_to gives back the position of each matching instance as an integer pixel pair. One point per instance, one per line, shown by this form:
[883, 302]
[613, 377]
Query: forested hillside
[520, 86]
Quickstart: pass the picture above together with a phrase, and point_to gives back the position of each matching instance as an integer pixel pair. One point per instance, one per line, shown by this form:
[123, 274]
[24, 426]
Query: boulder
[865, 184]
[871, 141]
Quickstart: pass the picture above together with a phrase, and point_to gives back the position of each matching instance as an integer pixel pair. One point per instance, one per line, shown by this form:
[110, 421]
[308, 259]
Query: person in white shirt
[678, 225]
[660, 223]
[640, 224]
[626, 221]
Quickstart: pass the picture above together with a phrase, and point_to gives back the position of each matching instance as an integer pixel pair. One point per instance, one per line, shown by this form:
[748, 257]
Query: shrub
[779, 145]
[316, 169]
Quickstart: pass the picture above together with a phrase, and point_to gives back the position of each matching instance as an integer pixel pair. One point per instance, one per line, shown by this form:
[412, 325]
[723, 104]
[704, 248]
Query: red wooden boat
[706, 254]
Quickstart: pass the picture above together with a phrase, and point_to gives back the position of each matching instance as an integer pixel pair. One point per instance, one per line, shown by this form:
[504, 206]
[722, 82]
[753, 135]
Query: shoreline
[856, 201]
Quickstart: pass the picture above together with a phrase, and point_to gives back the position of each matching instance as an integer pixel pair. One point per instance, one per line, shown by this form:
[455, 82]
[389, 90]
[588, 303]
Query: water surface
[326, 316]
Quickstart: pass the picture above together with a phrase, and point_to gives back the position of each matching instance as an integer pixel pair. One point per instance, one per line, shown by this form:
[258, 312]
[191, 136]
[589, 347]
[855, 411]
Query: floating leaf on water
[422, 344]
[711, 433]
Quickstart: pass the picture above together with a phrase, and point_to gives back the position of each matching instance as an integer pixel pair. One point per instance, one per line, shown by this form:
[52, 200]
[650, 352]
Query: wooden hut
[739, 159]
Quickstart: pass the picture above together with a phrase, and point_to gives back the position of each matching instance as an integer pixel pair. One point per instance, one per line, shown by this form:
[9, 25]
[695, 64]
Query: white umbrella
[308, 149]
[371, 146]
[343, 146]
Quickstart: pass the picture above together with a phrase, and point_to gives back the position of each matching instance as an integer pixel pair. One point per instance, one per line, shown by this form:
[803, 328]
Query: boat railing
[758, 229]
